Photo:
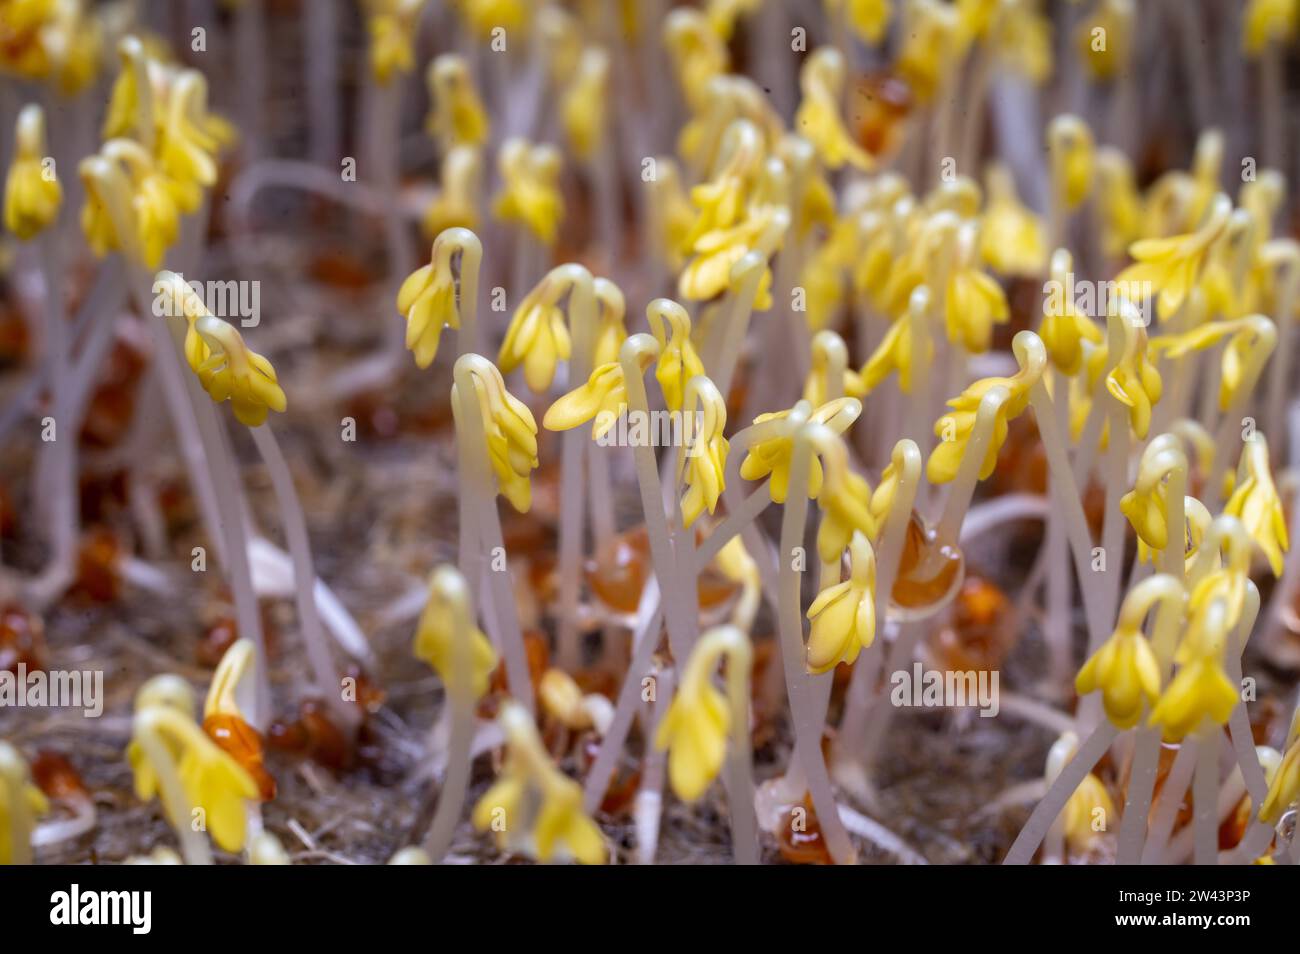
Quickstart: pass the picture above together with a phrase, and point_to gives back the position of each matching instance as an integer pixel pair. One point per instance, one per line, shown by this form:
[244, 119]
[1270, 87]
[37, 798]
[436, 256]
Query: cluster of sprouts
[794, 382]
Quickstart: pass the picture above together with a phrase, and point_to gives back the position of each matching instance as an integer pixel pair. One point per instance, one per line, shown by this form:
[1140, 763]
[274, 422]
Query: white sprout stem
[1137, 796]
[250, 50]
[536, 110]
[1146, 747]
[1089, 442]
[837, 363]
[469, 550]
[572, 505]
[255, 825]
[837, 23]
[1243, 740]
[324, 669]
[1170, 801]
[931, 398]
[1112, 545]
[481, 532]
[681, 626]
[1032, 710]
[1173, 559]
[108, 295]
[65, 829]
[747, 604]
[194, 447]
[608, 202]
[880, 836]
[817, 689]
[1058, 794]
[70, 406]
[573, 453]
[746, 274]
[1253, 844]
[1178, 373]
[1181, 846]
[735, 523]
[780, 335]
[71, 384]
[799, 685]
[862, 692]
[1122, 123]
[1067, 497]
[956, 364]
[770, 335]
[976, 96]
[656, 265]
[1205, 796]
[1279, 373]
[216, 481]
[962, 490]
[194, 847]
[820, 686]
[505, 609]
[646, 640]
[1209, 374]
[144, 481]
[320, 60]
[193, 237]
[230, 497]
[515, 110]
[460, 698]
[341, 625]
[649, 798]
[768, 571]
[917, 415]
[1059, 589]
[739, 772]
[522, 254]
[684, 560]
[1057, 625]
[767, 31]
[400, 253]
[1112, 534]
[943, 108]
[602, 499]
[61, 492]
[145, 576]
[1193, 46]
[714, 333]
[24, 400]
[471, 262]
